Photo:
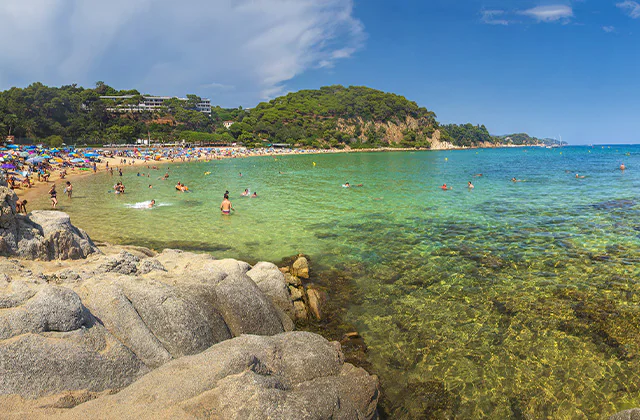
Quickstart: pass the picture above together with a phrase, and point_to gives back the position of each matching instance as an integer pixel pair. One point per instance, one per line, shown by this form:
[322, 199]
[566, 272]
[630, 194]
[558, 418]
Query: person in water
[579, 176]
[470, 185]
[444, 187]
[69, 189]
[152, 203]
[346, 185]
[226, 205]
[255, 195]
[622, 167]
[245, 193]
[54, 196]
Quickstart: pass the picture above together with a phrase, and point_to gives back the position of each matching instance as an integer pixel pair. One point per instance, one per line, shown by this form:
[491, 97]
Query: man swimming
[226, 205]
[255, 195]
[152, 203]
[470, 185]
[245, 193]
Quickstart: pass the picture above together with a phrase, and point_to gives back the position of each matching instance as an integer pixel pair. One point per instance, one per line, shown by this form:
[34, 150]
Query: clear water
[510, 300]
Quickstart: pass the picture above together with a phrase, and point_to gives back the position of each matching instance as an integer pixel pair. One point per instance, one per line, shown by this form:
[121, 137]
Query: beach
[468, 295]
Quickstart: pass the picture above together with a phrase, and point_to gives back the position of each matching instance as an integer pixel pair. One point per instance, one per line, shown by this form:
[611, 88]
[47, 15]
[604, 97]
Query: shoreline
[39, 187]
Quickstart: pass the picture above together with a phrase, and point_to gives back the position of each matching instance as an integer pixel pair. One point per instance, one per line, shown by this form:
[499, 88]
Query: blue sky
[559, 68]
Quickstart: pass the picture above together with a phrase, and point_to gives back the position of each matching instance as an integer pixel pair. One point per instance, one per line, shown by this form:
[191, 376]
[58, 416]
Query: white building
[228, 124]
[150, 103]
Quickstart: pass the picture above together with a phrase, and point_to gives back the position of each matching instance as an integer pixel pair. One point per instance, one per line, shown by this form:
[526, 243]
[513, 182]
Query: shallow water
[508, 300]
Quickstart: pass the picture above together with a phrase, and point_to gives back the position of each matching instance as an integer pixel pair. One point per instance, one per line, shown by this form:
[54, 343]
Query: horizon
[543, 68]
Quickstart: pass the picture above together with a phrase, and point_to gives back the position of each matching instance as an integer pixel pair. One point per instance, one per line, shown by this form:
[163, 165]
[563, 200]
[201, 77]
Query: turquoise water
[510, 300]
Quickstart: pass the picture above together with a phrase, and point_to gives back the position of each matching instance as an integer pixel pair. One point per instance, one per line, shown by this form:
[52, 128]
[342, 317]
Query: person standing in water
[69, 189]
[226, 205]
[54, 196]
[470, 185]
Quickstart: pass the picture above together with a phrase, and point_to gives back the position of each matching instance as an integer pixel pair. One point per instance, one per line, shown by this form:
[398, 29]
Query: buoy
[207, 173]
[446, 159]
[314, 164]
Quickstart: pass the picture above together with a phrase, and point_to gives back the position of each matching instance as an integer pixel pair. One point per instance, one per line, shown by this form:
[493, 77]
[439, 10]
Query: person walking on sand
[69, 189]
[226, 205]
[54, 196]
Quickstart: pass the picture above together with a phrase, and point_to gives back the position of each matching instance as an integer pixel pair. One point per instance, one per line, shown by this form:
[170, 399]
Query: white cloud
[169, 47]
[494, 17]
[609, 29]
[552, 13]
[631, 8]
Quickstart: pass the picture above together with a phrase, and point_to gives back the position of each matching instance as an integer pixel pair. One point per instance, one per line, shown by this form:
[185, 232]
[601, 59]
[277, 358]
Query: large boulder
[244, 307]
[52, 343]
[292, 375]
[43, 235]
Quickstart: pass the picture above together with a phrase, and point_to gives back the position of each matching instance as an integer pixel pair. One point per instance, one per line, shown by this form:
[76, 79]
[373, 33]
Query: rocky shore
[125, 332]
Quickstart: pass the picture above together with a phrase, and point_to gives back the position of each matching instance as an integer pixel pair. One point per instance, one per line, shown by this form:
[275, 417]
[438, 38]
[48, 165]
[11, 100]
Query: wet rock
[317, 299]
[300, 310]
[297, 293]
[300, 268]
[292, 280]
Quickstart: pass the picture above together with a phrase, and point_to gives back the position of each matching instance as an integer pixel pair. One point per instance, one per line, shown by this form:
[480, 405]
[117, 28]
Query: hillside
[332, 116]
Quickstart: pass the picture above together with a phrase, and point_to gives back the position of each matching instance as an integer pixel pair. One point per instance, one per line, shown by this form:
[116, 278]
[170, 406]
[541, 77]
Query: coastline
[40, 187]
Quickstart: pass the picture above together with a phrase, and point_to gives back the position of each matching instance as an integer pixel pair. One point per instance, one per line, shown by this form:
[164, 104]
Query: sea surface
[509, 300]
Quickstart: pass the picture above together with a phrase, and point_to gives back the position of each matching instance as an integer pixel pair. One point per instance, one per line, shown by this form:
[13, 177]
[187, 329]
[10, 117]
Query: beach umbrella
[13, 146]
[36, 159]
[77, 160]
[45, 156]
[23, 154]
[8, 166]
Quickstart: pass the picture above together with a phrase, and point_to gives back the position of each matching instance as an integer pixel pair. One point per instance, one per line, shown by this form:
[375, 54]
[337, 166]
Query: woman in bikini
[54, 196]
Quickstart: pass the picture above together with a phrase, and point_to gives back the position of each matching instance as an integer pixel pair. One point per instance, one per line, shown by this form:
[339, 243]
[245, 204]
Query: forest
[332, 116]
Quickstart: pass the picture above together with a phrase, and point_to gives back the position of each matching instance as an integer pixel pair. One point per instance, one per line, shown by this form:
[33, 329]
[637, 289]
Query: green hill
[332, 116]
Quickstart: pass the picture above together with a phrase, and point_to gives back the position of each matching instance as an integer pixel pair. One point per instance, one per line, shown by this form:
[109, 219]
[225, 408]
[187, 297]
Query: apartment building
[150, 103]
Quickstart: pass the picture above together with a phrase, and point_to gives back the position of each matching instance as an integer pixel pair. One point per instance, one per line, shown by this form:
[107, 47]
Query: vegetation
[332, 116]
[524, 138]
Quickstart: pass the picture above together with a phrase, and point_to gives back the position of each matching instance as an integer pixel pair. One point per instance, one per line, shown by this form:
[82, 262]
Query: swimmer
[579, 176]
[470, 185]
[255, 195]
[226, 207]
[245, 193]
[622, 167]
[477, 175]
[152, 203]
[150, 186]
[346, 185]
[444, 187]
[517, 180]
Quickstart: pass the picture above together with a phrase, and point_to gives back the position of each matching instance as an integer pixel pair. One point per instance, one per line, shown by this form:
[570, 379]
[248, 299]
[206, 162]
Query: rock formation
[45, 235]
[159, 328]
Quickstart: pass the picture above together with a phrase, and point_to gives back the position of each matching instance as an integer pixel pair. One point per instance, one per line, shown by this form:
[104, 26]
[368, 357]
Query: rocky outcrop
[42, 235]
[162, 327]
[292, 375]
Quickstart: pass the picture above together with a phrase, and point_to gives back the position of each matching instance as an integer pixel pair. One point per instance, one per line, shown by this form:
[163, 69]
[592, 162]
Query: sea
[506, 300]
